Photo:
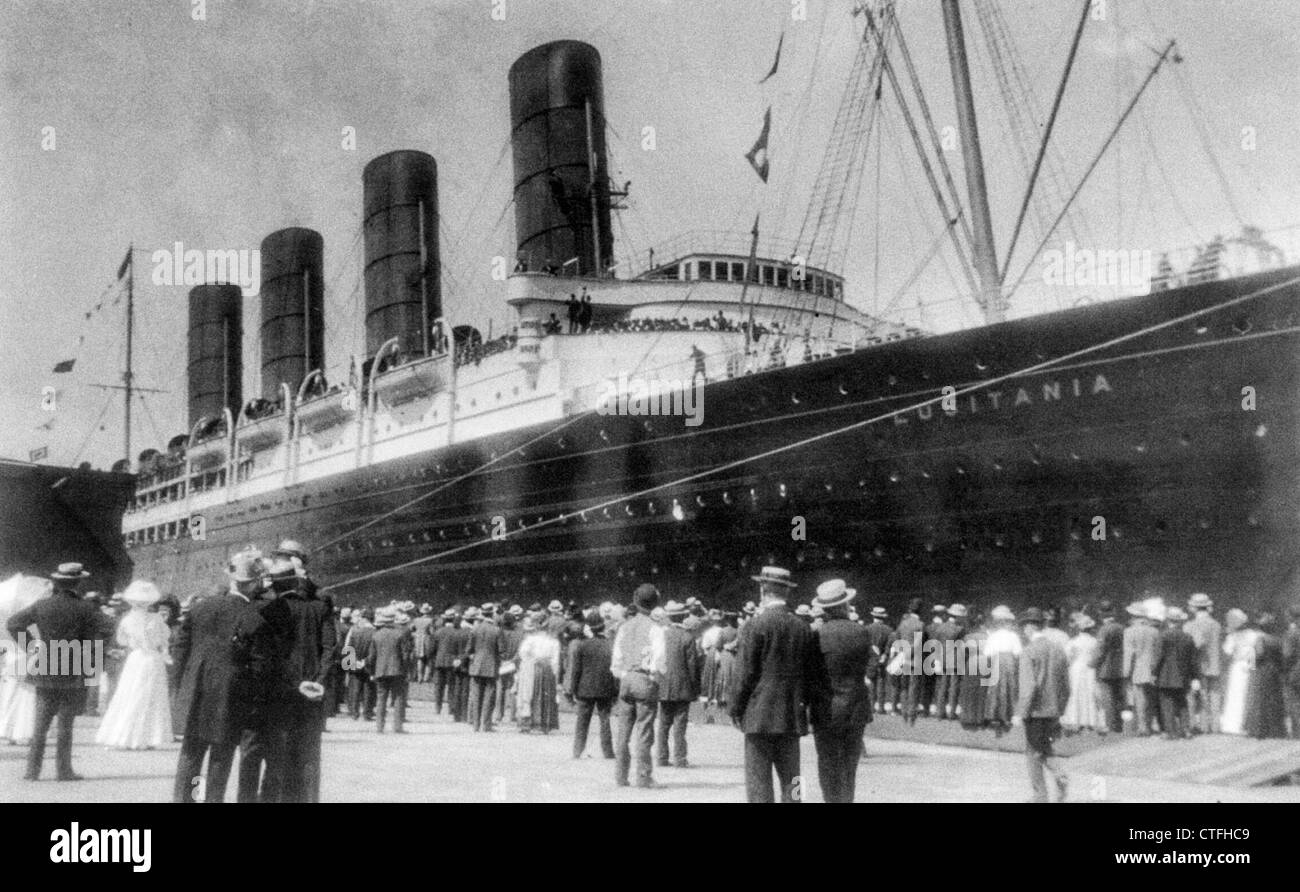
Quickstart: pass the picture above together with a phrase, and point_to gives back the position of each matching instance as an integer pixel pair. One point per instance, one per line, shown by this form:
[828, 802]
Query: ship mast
[130, 334]
[595, 200]
[986, 263]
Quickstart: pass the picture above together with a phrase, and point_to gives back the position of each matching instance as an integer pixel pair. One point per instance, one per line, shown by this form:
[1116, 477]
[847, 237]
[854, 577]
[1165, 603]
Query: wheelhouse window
[737, 272]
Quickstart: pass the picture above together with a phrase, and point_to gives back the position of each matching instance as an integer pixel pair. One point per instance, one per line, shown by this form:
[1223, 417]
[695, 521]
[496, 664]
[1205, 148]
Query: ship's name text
[988, 400]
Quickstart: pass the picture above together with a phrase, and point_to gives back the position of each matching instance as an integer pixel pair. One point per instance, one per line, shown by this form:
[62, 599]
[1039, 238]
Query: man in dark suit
[1176, 665]
[947, 634]
[460, 665]
[388, 657]
[912, 631]
[224, 651]
[679, 687]
[1109, 661]
[304, 628]
[882, 635]
[776, 660]
[1044, 692]
[361, 686]
[511, 637]
[484, 656]
[593, 685]
[840, 698]
[444, 657]
[1291, 670]
[71, 632]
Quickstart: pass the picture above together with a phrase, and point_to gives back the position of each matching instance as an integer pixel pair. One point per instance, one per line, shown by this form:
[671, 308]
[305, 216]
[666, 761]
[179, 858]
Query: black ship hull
[1141, 466]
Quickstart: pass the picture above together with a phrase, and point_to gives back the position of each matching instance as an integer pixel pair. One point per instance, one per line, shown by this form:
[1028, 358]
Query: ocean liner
[1143, 443]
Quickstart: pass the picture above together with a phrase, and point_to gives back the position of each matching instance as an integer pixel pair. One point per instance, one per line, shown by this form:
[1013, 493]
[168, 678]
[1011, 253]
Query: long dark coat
[777, 666]
[223, 653]
[844, 703]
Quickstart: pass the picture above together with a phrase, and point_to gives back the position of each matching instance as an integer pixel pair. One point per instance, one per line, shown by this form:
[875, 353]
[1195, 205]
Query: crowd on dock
[259, 666]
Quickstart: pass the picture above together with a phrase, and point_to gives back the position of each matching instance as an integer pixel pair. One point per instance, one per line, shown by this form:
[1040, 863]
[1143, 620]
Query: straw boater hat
[1175, 615]
[1136, 609]
[71, 570]
[776, 575]
[879, 613]
[516, 610]
[803, 610]
[1200, 601]
[291, 548]
[555, 607]
[938, 608]
[384, 617]
[1155, 609]
[957, 610]
[1083, 622]
[1003, 613]
[141, 594]
[675, 608]
[833, 593]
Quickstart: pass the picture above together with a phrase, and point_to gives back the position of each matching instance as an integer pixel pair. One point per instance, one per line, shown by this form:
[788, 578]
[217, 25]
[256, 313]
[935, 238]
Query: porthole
[1241, 325]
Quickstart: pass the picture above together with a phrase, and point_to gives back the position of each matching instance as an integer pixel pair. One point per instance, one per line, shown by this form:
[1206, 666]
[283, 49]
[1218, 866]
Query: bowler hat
[1031, 615]
[646, 597]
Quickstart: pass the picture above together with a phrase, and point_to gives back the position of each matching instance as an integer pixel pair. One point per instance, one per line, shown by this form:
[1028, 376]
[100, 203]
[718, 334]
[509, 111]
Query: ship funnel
[403, 281]
[216, 363]
[293, 308]
[557, 121]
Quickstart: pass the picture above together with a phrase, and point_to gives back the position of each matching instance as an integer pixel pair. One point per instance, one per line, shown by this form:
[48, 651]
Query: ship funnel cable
[807, 441]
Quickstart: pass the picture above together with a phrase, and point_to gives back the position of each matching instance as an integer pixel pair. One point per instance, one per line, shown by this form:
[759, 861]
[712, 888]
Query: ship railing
[706, 242]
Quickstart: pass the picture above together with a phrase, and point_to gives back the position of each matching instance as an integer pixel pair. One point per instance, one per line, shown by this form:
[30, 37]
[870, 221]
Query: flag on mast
[126, 264]
[776, 63]
[65, 366]
[757, 156]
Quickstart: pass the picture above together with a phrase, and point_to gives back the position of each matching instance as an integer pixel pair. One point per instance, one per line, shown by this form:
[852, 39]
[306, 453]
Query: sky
[216, 129]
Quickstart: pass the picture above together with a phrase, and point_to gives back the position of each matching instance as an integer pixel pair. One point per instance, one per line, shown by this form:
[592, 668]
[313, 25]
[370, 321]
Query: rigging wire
[825, 435]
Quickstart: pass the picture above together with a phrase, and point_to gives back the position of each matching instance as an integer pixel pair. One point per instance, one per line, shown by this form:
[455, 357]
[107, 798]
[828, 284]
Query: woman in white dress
[17, 697]
[539, 667]
[1239, 646]
[139, 714]
[1081, 711]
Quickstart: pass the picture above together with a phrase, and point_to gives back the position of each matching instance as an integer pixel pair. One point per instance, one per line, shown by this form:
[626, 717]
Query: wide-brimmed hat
[777, 575]
[1031, 615]
[1155, 609]
[141, 593]
[676, 608]
[70, 570]
[879, 613]
[833, 593]
[246, 566]
[1200, 601]
[292, 548]
[956, 609]
[384, 617]
[1003, 613]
